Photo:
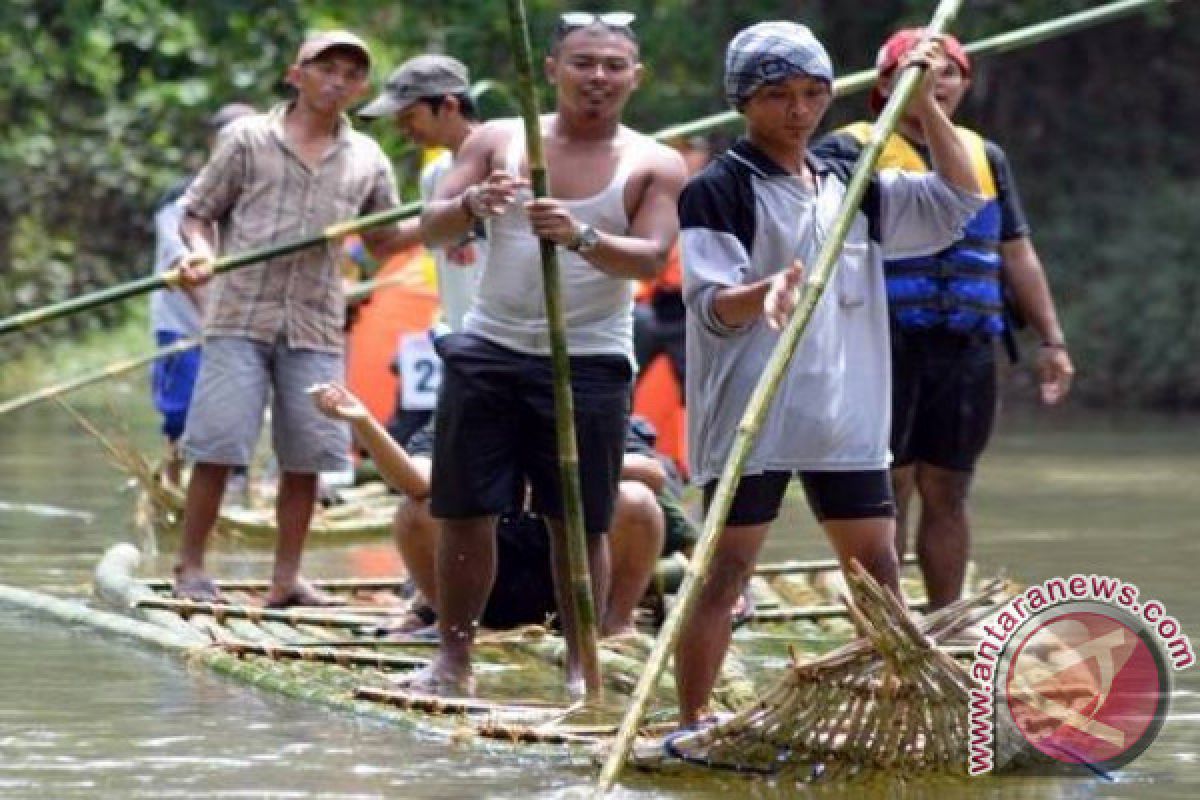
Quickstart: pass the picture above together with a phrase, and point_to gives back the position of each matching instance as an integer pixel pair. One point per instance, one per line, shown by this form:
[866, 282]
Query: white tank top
[510, 308]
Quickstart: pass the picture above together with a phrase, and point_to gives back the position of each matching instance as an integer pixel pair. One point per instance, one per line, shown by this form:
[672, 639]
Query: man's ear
[550, 67]
[292, 76]
[449, 103]
[639, 72]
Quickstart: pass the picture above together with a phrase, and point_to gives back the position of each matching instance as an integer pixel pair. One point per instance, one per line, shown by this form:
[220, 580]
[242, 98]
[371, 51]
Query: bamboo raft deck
[335, 656]
[363, 512]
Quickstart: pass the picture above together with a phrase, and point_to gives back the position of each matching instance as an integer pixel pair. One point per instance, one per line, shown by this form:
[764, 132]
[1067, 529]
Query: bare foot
[438, 679]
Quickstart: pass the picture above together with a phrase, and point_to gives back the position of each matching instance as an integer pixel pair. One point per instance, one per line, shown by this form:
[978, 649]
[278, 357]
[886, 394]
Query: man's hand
[780, 301]
[493, 196]
[551, 220]
[931, 54]
[195, 270]
[336, 401]
[1055, 371]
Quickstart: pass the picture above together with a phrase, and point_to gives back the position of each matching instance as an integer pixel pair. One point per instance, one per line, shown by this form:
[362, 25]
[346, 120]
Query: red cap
[898, 45]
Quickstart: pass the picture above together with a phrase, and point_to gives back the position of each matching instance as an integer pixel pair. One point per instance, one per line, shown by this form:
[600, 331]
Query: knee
[636, 506]
[944, 492]
[727, 579]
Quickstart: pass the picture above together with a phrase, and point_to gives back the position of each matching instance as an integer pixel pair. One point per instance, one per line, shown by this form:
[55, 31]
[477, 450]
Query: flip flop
[304, 596]
[201, 589]
[417, 619]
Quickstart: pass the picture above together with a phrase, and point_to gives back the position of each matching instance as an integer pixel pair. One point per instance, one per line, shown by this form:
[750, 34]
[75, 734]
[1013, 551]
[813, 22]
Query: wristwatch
[586, 239]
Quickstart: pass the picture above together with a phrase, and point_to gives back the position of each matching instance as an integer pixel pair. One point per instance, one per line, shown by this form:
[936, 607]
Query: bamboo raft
[360, 512]
[337, 657]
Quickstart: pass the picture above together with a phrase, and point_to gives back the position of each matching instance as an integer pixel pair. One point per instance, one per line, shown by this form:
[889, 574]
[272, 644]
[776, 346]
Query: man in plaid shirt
[276, 328]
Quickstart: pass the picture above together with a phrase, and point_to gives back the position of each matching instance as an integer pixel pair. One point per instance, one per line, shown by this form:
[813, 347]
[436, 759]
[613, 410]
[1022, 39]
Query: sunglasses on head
[572, 20]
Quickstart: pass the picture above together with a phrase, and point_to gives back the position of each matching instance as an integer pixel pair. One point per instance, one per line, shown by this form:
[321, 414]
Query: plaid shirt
[264, 194]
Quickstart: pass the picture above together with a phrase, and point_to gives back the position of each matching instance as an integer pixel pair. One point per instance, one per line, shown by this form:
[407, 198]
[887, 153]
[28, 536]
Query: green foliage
[104, 103]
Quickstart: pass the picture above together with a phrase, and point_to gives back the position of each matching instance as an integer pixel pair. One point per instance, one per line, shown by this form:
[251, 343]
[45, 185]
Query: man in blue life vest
[947, 310]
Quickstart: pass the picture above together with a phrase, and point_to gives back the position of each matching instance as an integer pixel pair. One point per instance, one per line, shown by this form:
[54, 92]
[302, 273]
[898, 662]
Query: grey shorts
[236, 376]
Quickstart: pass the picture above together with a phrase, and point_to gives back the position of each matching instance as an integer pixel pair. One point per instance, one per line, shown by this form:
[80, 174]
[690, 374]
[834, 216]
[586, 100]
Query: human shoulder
[844, 144]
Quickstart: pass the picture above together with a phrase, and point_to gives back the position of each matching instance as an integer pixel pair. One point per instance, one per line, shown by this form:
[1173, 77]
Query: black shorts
[943, 398]
[523, 593]
[865, 494]
[495, 431]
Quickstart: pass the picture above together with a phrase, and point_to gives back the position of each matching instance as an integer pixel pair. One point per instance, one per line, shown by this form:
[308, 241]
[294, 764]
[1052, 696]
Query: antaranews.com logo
[1073, 671]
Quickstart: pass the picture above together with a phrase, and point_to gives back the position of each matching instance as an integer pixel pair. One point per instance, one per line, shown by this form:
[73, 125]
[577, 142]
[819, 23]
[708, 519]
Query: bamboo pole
[116, 369]
[564, 406]
[816, 565]
[823, 272]
[1001, 43]
[127, 365]
[849, 84]
[170, 280]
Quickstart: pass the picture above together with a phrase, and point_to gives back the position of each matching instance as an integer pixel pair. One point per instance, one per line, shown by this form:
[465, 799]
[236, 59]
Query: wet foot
[438, 680]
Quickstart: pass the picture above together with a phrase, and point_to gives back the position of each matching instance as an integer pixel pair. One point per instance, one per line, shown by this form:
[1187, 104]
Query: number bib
[420, 372]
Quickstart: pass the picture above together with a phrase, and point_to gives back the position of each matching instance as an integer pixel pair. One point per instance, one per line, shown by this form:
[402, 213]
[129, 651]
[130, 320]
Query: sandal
[199, 589]
[305, 595]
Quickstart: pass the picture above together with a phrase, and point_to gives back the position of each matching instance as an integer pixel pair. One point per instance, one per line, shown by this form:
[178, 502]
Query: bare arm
[1023, 273]
[738, 306]
[951, 160]
[654, 225]
[447, 218]
[400, 471]
[383, 243]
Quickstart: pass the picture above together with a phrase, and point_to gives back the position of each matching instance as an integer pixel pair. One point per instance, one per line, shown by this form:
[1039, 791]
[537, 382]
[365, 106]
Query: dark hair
[466, 106]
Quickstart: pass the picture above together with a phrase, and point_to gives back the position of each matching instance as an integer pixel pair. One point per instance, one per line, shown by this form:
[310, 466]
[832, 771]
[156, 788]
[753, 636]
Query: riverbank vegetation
[104, 104]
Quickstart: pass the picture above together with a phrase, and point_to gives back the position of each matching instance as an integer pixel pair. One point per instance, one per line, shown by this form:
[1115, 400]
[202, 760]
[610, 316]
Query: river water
[84, 716]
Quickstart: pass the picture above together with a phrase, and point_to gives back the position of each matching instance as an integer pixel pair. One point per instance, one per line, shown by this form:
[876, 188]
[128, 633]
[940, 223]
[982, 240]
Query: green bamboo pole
[816, 565]
[1001, 43]
[822, 272]
[564, 405]
[113, 370]
[126, 365]
[849, 84]
[170, 280]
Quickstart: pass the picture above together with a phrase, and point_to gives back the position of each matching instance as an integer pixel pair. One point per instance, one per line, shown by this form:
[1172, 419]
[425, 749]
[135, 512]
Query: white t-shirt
[458, 267]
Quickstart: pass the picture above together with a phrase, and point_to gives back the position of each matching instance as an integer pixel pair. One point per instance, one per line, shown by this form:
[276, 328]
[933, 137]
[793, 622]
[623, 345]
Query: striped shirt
[268, 195]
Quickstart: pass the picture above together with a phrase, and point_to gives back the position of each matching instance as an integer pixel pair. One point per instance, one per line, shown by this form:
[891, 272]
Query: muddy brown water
[83, 716]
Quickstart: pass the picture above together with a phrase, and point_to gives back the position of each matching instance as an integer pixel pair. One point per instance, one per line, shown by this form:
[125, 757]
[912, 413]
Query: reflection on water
[85, 717]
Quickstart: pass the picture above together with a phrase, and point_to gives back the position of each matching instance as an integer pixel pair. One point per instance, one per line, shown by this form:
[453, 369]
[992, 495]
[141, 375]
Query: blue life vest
[959, 288]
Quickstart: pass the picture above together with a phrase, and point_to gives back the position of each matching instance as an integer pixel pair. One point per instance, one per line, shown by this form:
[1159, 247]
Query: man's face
[595, 70]
[420, 124]
[950, 83]
[787, 114]
[330, 82]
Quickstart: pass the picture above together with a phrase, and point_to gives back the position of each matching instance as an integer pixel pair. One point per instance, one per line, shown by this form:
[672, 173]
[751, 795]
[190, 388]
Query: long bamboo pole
[116, 369]
[823, 271]
[170, 280]
[1001, 43]
[564, 405]
[849, 84]
[126, 365]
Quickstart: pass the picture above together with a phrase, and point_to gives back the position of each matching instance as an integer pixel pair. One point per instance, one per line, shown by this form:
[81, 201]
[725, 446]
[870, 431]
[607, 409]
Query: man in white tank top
[613, 213]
